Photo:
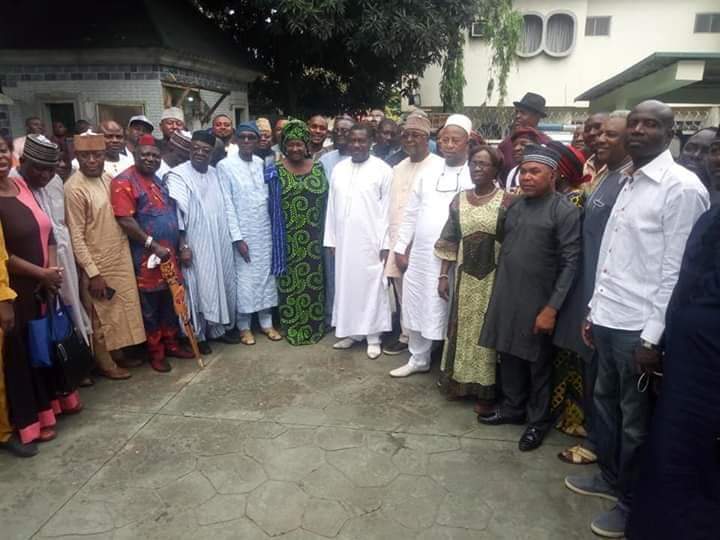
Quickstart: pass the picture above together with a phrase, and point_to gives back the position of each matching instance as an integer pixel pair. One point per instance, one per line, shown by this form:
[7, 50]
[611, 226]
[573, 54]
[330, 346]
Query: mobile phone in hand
[109, 293]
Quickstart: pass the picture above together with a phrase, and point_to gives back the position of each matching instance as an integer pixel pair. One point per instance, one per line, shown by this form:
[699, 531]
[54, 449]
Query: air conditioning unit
[477, 29]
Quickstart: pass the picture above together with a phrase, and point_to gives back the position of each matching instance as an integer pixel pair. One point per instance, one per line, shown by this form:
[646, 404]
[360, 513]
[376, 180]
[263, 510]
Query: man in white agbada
[356, 229]
[210, 273]
[415, 143]
[424, 313]
[49, 192]
[246, 209]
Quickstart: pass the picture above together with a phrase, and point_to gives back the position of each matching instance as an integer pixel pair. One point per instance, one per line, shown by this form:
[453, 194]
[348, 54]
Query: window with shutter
[597, 26]
[706, 23]
[532, 33]
[560, 34]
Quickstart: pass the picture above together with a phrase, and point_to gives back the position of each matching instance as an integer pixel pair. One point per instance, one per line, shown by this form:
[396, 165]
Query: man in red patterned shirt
[148, 216]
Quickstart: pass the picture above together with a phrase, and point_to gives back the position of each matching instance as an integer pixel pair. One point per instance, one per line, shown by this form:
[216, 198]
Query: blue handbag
[38, 337]
[56, 326]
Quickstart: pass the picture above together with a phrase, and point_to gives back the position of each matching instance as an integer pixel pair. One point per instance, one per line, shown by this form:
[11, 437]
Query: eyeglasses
[481, 165]
[247, 138]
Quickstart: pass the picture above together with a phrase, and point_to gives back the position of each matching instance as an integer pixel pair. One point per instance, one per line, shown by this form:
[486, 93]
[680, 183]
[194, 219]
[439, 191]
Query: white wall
[29, 97]
[638, 29]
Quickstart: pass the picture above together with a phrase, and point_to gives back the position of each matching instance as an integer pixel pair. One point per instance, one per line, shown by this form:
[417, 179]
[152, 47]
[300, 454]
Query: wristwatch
[647, 345]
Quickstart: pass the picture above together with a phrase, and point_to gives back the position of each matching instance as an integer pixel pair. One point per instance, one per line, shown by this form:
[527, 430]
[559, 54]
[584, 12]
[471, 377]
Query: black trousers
[527, 388]
[589, 377]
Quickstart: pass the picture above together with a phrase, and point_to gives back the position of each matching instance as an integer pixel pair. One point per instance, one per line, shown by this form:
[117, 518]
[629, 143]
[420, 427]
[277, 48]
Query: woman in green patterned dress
[468, 240]
[298, 197]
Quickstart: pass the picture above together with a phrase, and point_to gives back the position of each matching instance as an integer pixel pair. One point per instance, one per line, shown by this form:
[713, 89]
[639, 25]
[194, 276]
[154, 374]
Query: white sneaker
[374, 351]
[407, 370]
[344, 343]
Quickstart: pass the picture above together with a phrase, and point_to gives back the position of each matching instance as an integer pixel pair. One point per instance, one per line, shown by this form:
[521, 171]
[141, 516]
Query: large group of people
[561, 282]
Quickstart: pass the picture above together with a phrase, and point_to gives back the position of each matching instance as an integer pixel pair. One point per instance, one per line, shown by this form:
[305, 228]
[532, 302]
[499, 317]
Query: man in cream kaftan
[102, 253]
[424, 312]
[415, 137]
[356, 227]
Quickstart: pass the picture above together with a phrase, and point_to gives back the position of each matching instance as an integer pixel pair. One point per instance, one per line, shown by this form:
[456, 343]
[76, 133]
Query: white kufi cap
[461, 121]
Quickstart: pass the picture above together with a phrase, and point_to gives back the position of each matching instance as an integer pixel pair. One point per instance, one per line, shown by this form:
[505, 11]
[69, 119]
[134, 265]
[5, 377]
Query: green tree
[453, 80]
[333, 55]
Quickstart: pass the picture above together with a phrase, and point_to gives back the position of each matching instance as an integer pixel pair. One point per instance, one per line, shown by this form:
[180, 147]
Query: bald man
[638, 267]
[116, 160]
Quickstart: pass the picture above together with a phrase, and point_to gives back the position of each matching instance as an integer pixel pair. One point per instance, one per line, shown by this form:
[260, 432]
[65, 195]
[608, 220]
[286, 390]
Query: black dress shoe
[531, 439]
[393, 349]
[231, 337]
[204, 348]
[497, 418]
[17, 448]
[161, 365]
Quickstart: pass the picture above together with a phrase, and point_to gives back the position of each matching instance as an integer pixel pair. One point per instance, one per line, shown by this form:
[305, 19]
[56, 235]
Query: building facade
[570, 46]
[138, 57]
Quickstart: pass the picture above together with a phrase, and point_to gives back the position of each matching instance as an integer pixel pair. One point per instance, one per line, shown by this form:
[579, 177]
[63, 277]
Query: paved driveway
[292, 443]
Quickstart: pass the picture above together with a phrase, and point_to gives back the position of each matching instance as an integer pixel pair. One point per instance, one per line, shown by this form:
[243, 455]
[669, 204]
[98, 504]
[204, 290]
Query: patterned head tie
[180, 140]
[570, 165]
[294, 130]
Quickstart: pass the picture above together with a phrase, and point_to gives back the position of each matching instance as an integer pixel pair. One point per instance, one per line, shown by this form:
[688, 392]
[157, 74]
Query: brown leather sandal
[246, 337]
[272, 334]
[578, 455]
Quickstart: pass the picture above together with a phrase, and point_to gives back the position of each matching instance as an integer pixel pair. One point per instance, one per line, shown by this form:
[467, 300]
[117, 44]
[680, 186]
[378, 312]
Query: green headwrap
[294, 130]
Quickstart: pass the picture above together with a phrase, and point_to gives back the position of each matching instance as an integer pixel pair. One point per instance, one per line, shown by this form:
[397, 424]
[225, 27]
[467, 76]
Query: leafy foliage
[453, 74]
[333, 55]
[503, 28]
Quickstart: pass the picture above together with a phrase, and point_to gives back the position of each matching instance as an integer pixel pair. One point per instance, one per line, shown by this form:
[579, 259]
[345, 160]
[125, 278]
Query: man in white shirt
[356, 230]
[638, 266]
[424, 312]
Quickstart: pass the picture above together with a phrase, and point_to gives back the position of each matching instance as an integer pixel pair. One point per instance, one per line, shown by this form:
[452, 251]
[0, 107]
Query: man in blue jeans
[638, 266]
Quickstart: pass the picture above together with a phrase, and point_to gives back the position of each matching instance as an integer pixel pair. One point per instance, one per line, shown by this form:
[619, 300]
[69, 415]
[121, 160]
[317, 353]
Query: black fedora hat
[533, 103]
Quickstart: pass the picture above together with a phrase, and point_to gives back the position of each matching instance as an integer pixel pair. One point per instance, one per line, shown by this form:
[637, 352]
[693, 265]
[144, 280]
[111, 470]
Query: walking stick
[170, 274]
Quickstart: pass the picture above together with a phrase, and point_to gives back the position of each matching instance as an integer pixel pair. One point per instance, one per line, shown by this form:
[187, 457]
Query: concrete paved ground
[293, 443]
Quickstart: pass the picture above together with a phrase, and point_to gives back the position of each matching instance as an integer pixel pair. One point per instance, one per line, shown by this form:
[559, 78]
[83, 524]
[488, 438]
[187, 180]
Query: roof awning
[669, 76]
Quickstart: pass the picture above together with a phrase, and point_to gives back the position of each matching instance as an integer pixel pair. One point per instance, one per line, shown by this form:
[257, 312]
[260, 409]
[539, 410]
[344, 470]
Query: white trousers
[420, 350]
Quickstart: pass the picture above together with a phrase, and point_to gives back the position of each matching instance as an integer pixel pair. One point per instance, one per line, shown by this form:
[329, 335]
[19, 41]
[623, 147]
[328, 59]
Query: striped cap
[538, 153]
[180, 140]
[39, 149]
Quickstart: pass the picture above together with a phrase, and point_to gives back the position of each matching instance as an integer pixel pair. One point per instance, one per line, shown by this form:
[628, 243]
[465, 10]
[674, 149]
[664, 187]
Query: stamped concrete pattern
[273, 441]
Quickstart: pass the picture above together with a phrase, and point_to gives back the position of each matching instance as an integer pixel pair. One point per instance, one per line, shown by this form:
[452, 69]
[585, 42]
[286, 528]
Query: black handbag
[72, 358]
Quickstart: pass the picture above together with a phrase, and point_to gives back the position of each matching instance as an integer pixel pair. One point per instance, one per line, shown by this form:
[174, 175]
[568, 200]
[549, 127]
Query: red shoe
[46, 435]
[178, 352]
[74, 410]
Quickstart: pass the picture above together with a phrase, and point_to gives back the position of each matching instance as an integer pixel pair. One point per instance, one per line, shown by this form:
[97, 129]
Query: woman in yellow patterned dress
[468, 241]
